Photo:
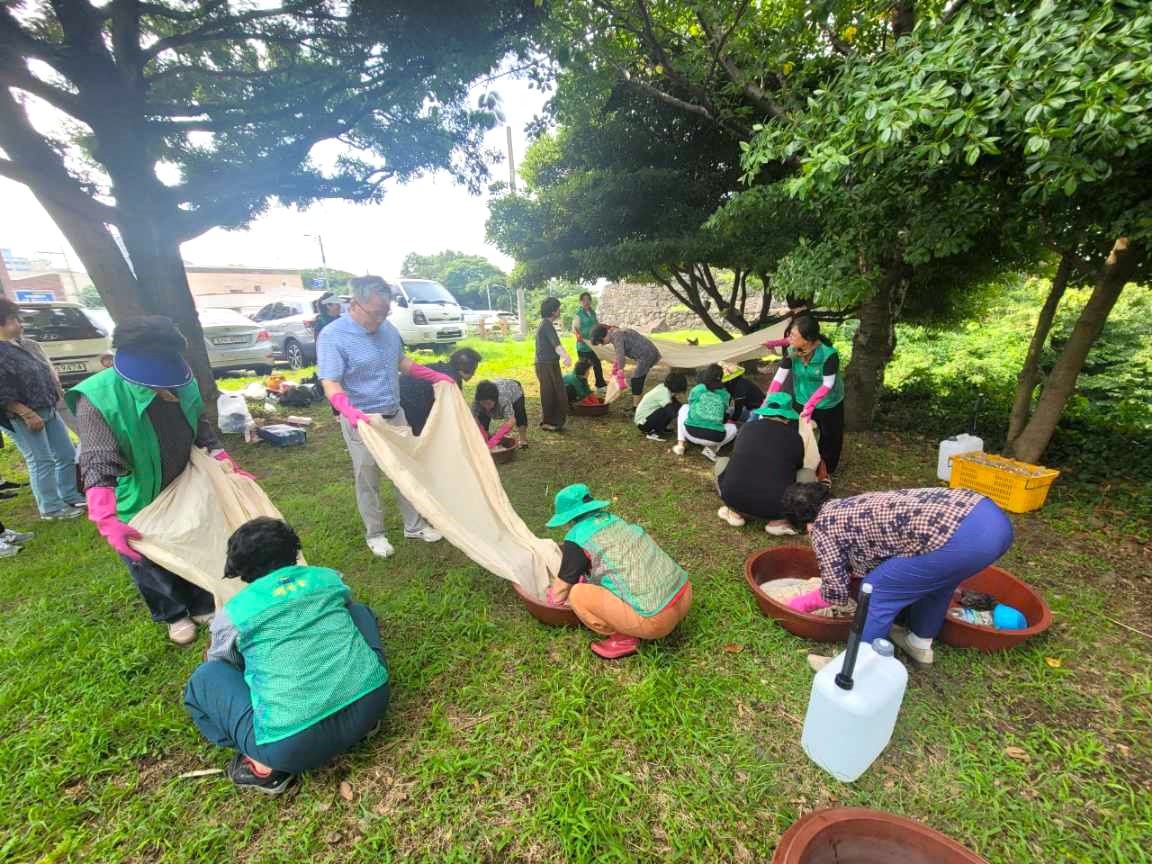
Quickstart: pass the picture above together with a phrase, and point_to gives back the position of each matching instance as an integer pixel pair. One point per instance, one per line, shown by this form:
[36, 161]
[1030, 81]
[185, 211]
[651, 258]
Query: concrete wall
[50, 283]
[651, 308]
[243, 280]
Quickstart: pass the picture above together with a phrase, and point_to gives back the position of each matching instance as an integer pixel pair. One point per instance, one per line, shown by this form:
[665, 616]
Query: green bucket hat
[778, 404]
[573, 501]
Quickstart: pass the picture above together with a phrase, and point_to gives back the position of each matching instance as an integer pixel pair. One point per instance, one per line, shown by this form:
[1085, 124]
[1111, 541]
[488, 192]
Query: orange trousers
[603, 612]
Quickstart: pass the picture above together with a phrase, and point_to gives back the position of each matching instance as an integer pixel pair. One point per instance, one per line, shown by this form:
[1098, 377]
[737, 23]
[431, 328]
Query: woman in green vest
[138, 422]
[582, 324]
[617, 580]
[818, 387]
[704, 420]
[295, 674]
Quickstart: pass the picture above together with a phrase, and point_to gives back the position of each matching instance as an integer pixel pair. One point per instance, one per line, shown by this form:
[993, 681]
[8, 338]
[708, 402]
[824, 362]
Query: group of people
[295, 672]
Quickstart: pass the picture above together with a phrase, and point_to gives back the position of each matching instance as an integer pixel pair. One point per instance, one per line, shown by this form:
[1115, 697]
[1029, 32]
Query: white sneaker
[182, 632]
[652, 436]
[678, 449]
[380, 546]
[15, 537]
[919, 656]
[68, 512]
[731, 517]
[8, 550]
[428, 534]
[709, 453]
[779, 530]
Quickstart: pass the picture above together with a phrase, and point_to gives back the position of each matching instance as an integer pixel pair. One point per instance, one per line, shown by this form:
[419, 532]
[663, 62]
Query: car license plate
[448, 334]
[229, 340]
[71, 367]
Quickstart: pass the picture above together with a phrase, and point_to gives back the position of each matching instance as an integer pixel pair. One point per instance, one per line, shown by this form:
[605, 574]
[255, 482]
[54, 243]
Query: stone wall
[651, 308]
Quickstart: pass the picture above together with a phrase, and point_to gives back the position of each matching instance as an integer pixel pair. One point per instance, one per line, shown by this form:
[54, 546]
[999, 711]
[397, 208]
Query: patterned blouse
[853, 536]
[26, 375]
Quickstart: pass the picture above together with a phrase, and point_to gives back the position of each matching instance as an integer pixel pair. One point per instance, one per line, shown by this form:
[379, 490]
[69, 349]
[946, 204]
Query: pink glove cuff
[814, 400]
[775, 386]
[809, 602]
[423, 373]
[775, 343]
[222, 456]
[102, 510]
[500, 433]
[353, 415]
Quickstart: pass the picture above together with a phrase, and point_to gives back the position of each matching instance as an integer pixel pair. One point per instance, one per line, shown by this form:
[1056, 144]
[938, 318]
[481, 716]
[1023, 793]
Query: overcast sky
[427, 215]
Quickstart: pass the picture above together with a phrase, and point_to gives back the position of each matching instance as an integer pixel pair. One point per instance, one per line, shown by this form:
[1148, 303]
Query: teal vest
[578, 384]
[627, 562]
[123, 405]
[585, 321]
[808, 377]
[707, 408]
[304, 659]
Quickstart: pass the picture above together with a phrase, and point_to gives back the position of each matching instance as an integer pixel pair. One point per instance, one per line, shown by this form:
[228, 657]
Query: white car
[425, 313]
[72, 342]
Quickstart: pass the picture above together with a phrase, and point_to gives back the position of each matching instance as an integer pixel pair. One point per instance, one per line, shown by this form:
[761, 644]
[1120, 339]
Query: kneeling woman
[295, 674]
[631, 589]
[913, 546]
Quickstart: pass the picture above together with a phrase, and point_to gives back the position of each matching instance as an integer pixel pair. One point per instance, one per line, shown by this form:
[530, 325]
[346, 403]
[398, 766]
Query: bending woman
[628, 344]
[817, 385]
[913, 546]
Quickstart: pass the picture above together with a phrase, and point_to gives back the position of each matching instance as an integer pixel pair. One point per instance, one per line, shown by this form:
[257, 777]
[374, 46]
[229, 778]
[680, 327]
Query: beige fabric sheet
[186, 529]
[449, 476]
[811, 448]
[681, 355]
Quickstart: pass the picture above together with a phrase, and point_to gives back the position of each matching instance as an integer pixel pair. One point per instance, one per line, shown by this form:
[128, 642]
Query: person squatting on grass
[658, 409]
[417, 396]
[359, 360]
[576, 384]
[549, 355]
[295, 674]
[703, 420]
[629, 345]
[501, 399]
[617, 580]
[913, 546]
[138, 423]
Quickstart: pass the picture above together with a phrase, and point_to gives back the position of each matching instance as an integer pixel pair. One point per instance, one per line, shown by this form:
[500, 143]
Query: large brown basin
[1009, 590]
[502, 455]
[553, 616]
[589, 410]
[791, 562]
[856, 835]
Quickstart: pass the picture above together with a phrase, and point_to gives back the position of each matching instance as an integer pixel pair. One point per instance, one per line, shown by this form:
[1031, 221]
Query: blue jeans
[168, 597]
[51, 460]
[924, 584]
[220, 704]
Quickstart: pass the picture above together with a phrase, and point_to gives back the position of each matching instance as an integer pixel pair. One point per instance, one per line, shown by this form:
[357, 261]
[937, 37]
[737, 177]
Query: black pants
[168, 597]
[660, 419]
[704, 434]
[594, 361]
[830, 422]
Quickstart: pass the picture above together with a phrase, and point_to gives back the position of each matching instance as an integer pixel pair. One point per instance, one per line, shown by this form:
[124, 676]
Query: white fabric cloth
[680, 355]
[448, 474]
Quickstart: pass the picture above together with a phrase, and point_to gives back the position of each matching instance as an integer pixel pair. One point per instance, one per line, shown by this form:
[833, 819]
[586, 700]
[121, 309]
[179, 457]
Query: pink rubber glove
[775, 386]
[552, 601]
[102, 511]
[813, 400]
[809, 602]
[500, 433]
[346, 410]
[775, 343]
[222, 456]
[423, 373]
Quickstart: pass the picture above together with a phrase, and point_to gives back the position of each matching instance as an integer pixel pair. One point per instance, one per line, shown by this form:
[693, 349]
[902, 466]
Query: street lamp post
[323, 260]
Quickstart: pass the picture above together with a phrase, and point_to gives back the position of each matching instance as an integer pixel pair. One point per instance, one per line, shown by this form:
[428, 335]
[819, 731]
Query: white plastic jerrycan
[854, 703]
[949, 447]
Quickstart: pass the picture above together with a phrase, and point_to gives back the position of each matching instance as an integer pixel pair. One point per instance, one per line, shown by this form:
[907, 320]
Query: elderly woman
[138, 423]
[629, 345]
[767, 458]
[913, 546]
[818, 387]
[29, 394]
[617, 580]
[295, 674]
[549, 355]
[417, 396]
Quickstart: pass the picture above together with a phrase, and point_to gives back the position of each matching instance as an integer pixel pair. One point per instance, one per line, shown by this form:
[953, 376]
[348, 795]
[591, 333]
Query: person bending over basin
[914, 546]
[617, 580]
[295, 674]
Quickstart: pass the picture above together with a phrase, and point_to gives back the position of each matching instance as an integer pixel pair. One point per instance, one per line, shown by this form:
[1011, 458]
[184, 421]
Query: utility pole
[512, 185]
[323, 260]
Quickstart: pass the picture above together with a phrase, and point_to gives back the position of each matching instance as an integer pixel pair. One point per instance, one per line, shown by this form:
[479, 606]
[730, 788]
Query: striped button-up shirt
[365, 364]
[853, 536]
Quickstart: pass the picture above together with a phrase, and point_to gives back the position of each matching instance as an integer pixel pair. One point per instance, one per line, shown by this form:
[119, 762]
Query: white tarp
[681, 355]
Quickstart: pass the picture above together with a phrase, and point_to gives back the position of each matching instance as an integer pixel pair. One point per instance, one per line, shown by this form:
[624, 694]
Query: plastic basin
[589, 410]
[551, 615]
[856, 835]
[791, 562]
[504, 454]
[1009, 590]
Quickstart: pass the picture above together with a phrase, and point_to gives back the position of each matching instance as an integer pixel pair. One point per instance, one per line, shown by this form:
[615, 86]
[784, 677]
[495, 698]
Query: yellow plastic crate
[1017, 493]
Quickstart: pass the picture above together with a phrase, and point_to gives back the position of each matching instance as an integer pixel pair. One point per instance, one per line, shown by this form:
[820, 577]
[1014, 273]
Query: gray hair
[367, 287]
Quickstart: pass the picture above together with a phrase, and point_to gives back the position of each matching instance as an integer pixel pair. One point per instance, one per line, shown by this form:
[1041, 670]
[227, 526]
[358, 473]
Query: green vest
[707, 408]
[304, 658]
[578, 384]
[627, 562]
[585, 321]
[123, 404]
[808, 377]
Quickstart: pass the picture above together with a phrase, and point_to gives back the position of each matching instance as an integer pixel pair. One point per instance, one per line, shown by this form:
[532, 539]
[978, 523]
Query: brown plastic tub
[1009, 590]
[589, 410]
[856, 835]
[792, 562]
[553, 616]
[501, 455]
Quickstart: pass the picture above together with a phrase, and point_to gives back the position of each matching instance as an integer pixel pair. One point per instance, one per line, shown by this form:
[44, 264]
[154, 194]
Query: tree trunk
[1118, 270]
[872, 348]
[689, 295]
[1029, 376]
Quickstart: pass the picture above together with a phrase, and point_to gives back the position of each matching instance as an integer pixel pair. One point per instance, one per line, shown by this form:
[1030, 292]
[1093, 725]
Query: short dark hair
[549, 307]
[8, 310]
[711, 376]
[598, 334]
[581, 368]
[676, 382]
[486, 391]
[801, 502]
[809, 328]
[260, 546]
[584, 294]
[157, 334]
[465, 359]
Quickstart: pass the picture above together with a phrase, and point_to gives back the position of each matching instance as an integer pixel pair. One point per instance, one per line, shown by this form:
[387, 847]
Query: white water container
[845, 730]
[949, 447]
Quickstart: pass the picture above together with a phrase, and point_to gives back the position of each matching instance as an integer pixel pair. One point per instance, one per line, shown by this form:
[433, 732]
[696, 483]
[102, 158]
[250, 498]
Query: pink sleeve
[775, 343]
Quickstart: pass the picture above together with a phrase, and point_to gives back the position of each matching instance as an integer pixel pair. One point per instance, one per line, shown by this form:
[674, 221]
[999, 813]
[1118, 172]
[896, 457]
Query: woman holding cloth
[818, 387]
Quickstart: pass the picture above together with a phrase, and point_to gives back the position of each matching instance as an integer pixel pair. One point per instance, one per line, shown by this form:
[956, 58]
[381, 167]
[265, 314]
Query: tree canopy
[470, 278]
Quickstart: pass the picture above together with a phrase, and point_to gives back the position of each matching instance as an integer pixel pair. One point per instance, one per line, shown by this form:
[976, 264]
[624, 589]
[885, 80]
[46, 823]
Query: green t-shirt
[653, 401]
[706, 408]
[578, 384]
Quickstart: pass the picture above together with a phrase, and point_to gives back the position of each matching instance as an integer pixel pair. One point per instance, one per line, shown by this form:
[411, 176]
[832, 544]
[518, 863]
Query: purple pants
[924, 584]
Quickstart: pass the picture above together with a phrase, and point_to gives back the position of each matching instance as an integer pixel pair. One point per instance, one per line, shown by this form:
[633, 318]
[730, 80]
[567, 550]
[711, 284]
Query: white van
[425, 313]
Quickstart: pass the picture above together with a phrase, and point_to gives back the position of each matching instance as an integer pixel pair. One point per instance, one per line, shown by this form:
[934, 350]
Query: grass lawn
[509, 741]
